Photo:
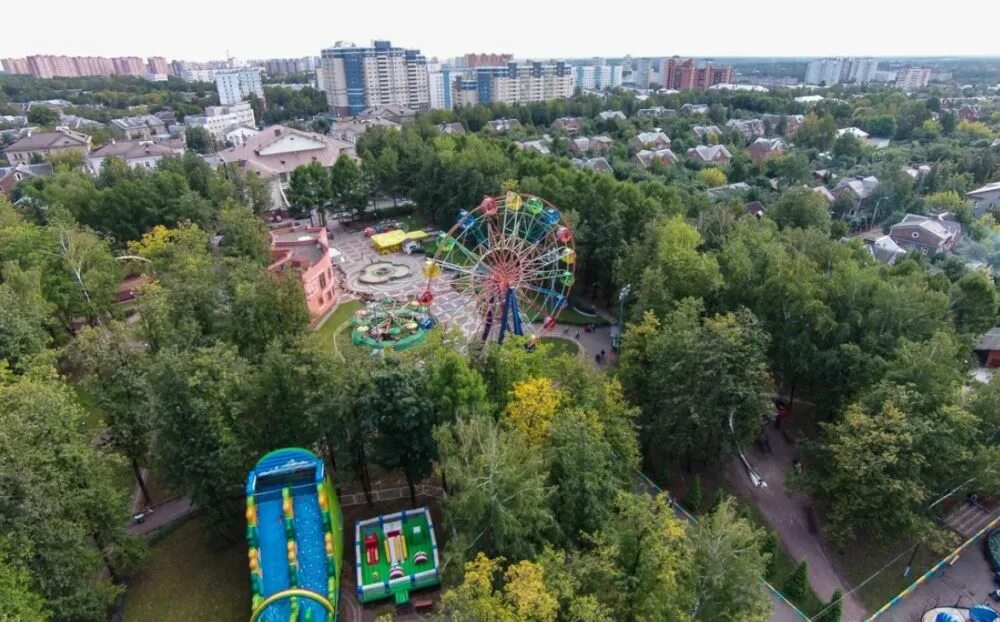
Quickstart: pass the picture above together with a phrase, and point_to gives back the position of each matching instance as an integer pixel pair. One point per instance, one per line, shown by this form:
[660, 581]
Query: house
[10, 175]
[688, 110]
[238, 134]
[650, 140]
[711, 155]
[984, 198]
[750, 129]
[39, 145]
[541, 146]
[857, 132]
[351, 128]
[646, 157]
[570, 125]
[218, 119]
[306, 252]
[987, 349]
[451, 128]
[724, 192]
[590, 144]
[916, 172]
[926, 234]
[278, 150]
[764, 148]
[826, 194]
[599, 165]
[885, 250]
[131, 287]
[792, 122]
[74, 122]
[136, 153]
[656, 111]
[755, 209]
[608, 115]
[144, 127]
[396, 113]
[968, 113]
[503, 126]
[706, 132]
[859, 188]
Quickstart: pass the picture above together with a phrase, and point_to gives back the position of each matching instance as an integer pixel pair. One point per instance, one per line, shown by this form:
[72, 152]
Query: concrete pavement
[163, 514]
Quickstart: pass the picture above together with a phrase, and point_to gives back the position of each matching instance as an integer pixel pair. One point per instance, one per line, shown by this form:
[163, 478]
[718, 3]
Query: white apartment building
[236, 85]
[218, 120]
[356, 78]
[598, 77]
[528, 82]
[912, 78]
[830, 71]
[440, 85]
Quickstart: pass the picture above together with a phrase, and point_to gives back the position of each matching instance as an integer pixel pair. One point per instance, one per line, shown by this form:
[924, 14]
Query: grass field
[558, 345]
[328, 332]
[187, 577]
[92, 416]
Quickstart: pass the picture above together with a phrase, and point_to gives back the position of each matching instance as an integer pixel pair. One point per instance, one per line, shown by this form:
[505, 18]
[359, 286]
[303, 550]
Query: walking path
[163, 514]
[785, 512]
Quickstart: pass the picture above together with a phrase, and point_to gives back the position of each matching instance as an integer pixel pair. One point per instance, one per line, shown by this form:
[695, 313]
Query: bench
[423, 604]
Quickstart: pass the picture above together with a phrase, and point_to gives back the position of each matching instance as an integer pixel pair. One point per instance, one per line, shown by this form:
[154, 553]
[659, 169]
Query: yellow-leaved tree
[534, 402]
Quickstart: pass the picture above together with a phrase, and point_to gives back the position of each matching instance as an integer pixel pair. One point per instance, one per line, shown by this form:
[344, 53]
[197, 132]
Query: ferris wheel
[512, 259]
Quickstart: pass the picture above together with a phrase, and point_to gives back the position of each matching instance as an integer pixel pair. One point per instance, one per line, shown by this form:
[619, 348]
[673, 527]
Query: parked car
[992, 545]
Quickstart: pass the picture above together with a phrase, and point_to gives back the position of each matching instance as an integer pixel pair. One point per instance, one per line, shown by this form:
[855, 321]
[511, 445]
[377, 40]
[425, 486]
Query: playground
[389, 324]
[395, 554]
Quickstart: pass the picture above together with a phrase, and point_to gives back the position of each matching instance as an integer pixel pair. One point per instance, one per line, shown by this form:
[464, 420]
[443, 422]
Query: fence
[392, 494]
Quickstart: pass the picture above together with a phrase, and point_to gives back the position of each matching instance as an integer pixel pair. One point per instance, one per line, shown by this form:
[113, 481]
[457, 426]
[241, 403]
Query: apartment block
[355, 78]
[533, 81]
[236, 85]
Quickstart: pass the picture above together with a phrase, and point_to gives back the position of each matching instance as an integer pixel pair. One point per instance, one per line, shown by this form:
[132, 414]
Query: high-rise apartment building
[236, 85]
[355, 78]
[912, 78]
[473, 61]
[830, 71]
[49, 66]
[286, 66]
[687, 75]
[533, 81]
[158, 65]
[598, 77]
[440, 82]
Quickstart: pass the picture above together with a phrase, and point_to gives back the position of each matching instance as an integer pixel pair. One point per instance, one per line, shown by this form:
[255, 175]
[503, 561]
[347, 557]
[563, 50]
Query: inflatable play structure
[396, 554]
[387, 324]
[295, 538]
[979, 613]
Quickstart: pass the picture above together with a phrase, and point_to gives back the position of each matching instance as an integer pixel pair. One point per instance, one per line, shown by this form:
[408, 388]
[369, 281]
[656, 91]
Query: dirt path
[163, 514]
[785, 512]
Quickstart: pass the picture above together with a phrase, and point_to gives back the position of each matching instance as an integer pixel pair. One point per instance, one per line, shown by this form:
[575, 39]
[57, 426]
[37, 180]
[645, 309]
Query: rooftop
[990, 340]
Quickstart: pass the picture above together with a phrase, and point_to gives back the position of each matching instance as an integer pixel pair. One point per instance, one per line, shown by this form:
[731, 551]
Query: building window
[322, 280]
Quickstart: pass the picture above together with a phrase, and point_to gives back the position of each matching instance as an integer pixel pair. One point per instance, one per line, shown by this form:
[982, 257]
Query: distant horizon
[447, 28]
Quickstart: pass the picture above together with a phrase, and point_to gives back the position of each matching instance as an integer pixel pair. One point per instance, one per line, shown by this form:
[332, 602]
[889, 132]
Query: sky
[540, 29]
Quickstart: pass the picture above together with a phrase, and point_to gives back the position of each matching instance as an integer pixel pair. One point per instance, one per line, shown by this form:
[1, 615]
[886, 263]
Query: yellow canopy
[388, 240]
[419, 234]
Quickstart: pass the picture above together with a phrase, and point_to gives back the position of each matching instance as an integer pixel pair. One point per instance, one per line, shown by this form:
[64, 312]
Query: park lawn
[92, 416]
[860, 560]
[558, 345]
[412, 222]
[343, 313]
[187, 577]
[569, 315]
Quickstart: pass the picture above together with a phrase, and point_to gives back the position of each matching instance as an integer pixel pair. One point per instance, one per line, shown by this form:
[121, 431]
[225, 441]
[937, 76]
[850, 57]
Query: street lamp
[623, 295]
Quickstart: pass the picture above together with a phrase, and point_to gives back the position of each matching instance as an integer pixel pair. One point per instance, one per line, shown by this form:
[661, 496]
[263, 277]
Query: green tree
[848, 146]
[797, 584]
[347, 187]
[816, 132]
[398, 410]
[263, 306]
[712, 177]
[308, 189]
[803, 208]
[22, 603]
[974, 303]
[726, 567]
[454, 388]
[198, 139]
[244, 234]
[200, 399]
[499, 500]
[115, 367]
[42, 115]
[834, 608]
[24, 315]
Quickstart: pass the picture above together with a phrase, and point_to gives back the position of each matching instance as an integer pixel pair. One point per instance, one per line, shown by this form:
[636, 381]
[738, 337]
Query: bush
[833, 608]
[770, 546]
[693, 498]
[798, 584]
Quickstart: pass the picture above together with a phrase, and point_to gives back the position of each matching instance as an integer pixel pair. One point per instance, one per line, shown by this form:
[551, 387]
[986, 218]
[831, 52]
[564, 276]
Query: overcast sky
[207, 29]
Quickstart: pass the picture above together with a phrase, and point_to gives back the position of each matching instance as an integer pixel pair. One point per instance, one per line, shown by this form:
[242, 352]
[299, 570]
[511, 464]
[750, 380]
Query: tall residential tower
[355, 78]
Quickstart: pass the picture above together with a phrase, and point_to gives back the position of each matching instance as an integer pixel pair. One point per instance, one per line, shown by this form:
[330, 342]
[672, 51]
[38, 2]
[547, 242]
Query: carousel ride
[388, 324]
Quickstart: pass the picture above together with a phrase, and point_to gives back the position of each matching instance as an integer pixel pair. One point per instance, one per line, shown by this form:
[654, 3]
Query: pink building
[306, 251]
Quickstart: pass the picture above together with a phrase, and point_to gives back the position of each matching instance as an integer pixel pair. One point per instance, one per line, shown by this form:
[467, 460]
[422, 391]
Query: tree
[803, 208]
[263, 307]
[974, 303]
[21, 602]
[199, 399]
[24, 314]
[693, 498]
[308, 189]
[115, 367]
[320, 125]
[42, 115]
[797, 584]
[691, 415]
[499, 498]
[712, 177]
[244, 235]
[347, 186]
[198, 139]
[726, 567]
[834, 608]
[868, 471]
[530, 411]
[816, 132]
[402, 419]
[453, 387]
[475, 598]
[848, 146]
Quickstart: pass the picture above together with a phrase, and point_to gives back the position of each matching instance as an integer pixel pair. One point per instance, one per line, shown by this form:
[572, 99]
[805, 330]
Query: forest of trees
[537, 451]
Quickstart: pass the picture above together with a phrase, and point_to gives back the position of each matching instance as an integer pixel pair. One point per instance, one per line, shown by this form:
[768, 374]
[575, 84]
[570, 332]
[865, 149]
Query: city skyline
[892, 32]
